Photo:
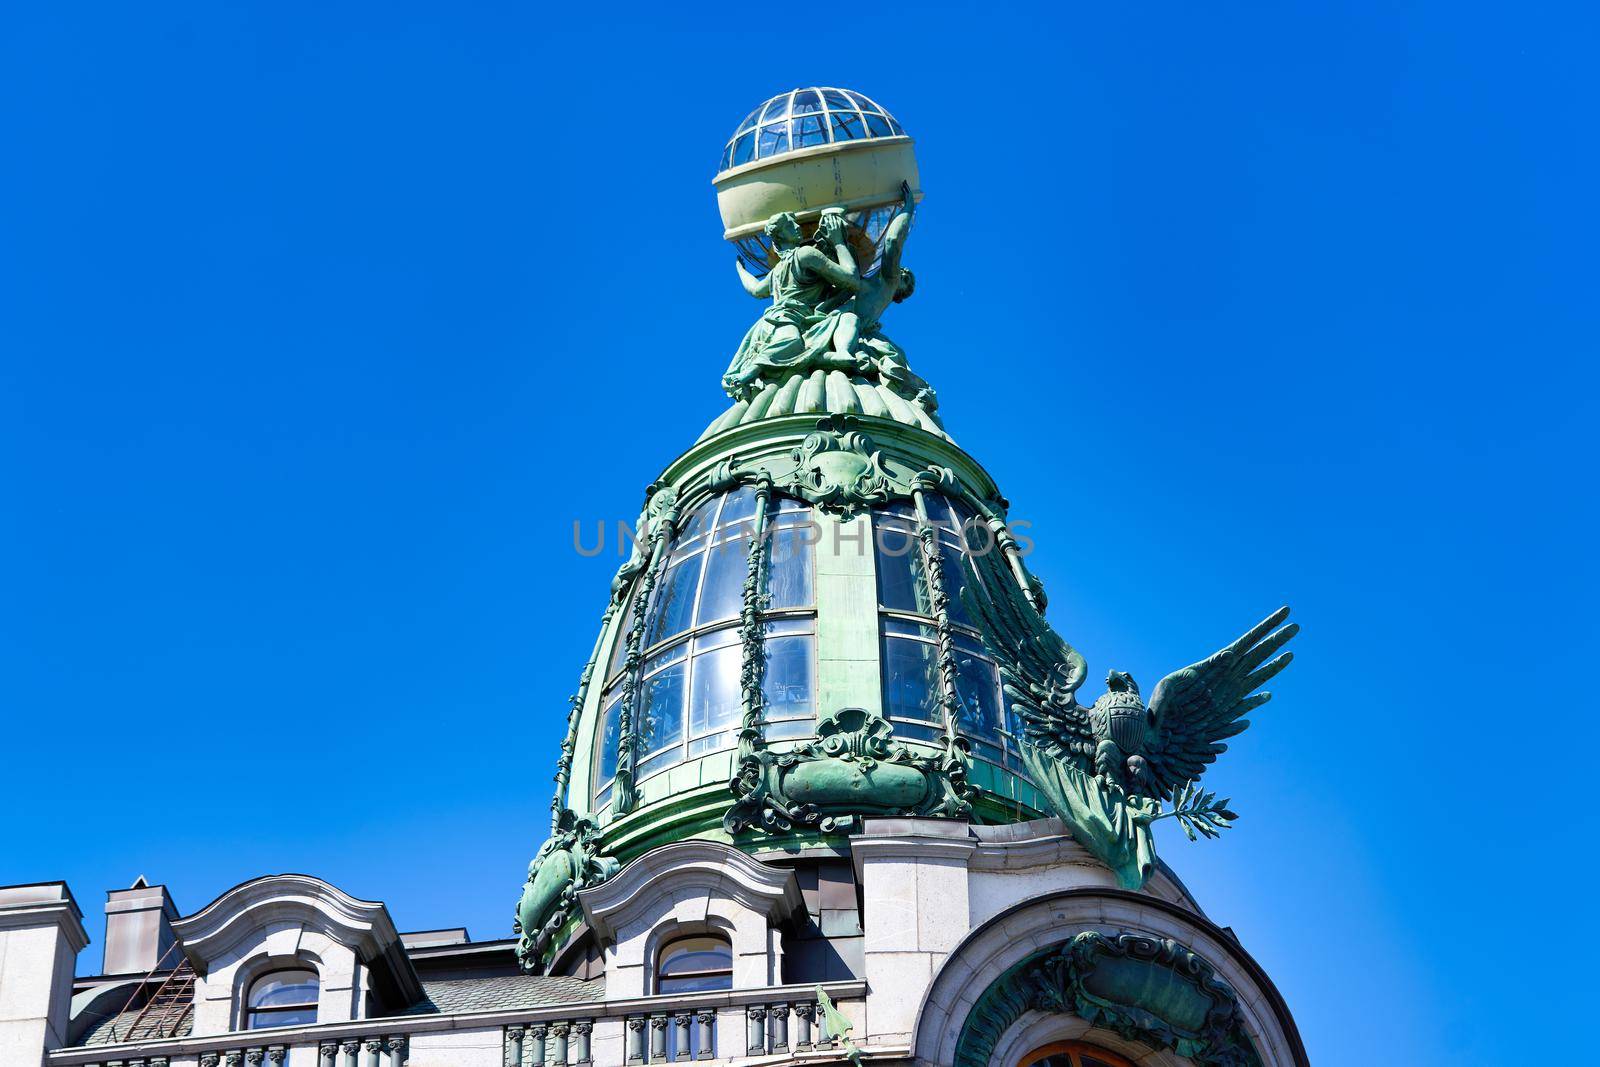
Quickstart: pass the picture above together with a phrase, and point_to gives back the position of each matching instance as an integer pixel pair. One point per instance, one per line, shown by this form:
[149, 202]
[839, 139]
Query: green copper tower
[827, 615]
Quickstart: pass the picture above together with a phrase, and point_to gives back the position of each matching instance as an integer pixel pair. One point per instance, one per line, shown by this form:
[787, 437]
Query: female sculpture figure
[809, 292]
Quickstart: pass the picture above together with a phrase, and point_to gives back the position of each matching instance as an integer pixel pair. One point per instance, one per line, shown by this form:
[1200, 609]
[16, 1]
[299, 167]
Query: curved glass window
[910, 638]
[695, 965]
[688, 700]
[806, 117]
[282, 998]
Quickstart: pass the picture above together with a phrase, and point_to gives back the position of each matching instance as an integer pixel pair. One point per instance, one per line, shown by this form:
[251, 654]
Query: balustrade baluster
[756, 1029]
[658, 1039]
[635, 1039]
[705, 1033]
[804, 1014]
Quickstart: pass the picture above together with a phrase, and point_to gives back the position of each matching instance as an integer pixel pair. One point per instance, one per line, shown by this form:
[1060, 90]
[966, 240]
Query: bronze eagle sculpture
[1120, 759]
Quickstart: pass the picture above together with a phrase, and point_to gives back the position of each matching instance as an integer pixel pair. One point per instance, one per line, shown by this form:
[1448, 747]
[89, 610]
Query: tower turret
[827, 615]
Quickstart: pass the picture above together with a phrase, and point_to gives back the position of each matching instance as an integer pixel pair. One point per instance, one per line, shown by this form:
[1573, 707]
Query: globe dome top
[806, 118]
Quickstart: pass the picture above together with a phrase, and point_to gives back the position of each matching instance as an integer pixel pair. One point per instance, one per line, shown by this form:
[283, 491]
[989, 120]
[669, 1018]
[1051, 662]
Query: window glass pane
[846, 126]
[837, 100]
[774, 139]
[619, 648]
[284, 988]
[978, 684]
[716, 639]
[788, 683]
[788, 729]
[744, 148]
[716, 703]
[895, 126]
[727, 157]
[901, 583]
[864, 103]
[610, 723]
[691, 533]
[738, 506]
[661, 708]
[911, 629]
[806, 101]
[809, 131]
[673, 600]
[694, 983]
[919, 731]
[910, 680]
[787, 512]
[777, 108]
[955, 580]
[723, 594]
[697, 954]
[876, 126]
[789, 568]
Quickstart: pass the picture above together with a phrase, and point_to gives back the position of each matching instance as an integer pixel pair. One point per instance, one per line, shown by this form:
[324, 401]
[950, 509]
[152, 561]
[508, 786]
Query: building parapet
[711, 1026]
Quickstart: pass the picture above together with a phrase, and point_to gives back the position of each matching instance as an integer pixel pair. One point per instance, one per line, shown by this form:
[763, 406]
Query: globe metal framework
[803, 118]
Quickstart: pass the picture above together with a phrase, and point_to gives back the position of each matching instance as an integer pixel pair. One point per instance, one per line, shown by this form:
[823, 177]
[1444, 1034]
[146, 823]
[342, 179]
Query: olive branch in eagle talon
[1198, 812]
[1153, 753]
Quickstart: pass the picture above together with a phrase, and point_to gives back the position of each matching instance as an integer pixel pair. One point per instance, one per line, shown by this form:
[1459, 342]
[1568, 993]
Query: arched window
[1072, 1054]
[688, 700]
[911, 684]
[694, 964]
[282, 998]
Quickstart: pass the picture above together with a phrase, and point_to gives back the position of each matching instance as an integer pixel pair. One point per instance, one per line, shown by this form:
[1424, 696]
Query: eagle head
[1122, 682]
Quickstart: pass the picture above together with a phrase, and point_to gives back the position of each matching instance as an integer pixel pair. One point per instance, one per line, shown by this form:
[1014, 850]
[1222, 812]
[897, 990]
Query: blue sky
[318, 329]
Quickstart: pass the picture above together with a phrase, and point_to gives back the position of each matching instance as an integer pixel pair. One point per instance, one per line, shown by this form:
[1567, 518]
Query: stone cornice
[912, 839]
[43, 904]
[363, 926]
[697, 866]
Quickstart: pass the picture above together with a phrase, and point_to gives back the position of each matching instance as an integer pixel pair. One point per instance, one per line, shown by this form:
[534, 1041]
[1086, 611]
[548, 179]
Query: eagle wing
[1039, 670]
[1195, 709]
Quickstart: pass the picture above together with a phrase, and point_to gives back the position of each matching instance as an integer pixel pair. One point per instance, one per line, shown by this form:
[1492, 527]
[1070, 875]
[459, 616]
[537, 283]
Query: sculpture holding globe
[824, 313]
[832, 271]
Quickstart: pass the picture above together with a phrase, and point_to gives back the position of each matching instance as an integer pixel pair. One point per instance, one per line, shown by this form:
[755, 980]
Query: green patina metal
[836, 1026]
[664, 510]
[828, 411]
[567, 863]
[1146, 989]
[1107, 768]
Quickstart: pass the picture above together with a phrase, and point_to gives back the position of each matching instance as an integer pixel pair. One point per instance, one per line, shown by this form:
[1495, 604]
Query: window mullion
[622, 794]
[956, 746]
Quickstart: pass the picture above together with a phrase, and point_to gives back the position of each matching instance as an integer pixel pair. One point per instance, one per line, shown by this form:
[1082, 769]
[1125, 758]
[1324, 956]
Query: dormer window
[282, 998]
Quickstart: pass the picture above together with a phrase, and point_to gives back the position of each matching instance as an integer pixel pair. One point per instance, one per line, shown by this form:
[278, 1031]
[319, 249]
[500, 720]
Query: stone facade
[945, 909]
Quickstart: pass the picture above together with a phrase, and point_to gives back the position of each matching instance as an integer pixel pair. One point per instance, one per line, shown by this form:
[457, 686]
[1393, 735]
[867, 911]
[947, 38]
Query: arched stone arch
[989, 957]
[689, 885]
[284, 918]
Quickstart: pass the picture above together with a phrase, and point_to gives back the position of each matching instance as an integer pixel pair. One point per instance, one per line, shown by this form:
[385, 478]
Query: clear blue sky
[318, 329]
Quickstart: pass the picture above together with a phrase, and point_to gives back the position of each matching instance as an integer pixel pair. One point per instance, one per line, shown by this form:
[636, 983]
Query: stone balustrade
[700, 1028]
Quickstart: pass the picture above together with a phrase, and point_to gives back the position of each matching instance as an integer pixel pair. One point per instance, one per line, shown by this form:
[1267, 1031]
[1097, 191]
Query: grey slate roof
[504, 993]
